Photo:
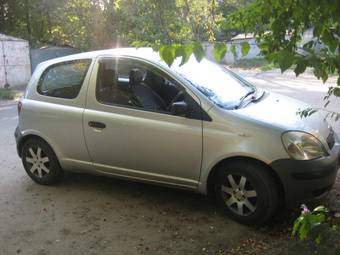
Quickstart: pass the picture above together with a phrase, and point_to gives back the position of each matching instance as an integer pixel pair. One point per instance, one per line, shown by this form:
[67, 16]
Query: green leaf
[233, 50]
[304, 228]
[318, 239]
[297, 225]
[300, 67]
[320, 72]
[336, 92]
[326, 104]
[245, 47]
[185, 52]
[219, 51]
[316, 219]
[198, 51]
[328, 38]
[338, 82]
[312, 112]
[337, 251]
[336, 228]
[285, 59]
[168, 54]
[321, 209]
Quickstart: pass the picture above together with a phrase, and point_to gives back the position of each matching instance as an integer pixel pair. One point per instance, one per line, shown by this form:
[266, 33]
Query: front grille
[330, 139]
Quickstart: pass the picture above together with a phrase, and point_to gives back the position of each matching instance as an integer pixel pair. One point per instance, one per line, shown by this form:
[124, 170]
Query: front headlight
[303, 146]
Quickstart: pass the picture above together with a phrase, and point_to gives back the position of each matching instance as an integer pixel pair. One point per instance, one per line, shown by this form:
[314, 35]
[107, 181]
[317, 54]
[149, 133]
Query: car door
[136, 139]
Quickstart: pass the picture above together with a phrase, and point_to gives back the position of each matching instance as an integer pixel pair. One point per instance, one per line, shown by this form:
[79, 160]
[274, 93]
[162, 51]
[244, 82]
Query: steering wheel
[176, 98]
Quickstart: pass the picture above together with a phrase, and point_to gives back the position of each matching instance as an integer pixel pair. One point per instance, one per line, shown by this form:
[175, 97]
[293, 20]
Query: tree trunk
[2, 15]
[28, 20]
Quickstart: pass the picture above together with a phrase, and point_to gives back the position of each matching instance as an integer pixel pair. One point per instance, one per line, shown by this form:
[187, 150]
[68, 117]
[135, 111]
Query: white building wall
[15, 64]
[229, 58]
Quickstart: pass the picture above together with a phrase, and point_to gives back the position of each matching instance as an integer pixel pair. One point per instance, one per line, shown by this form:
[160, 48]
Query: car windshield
[217, 83]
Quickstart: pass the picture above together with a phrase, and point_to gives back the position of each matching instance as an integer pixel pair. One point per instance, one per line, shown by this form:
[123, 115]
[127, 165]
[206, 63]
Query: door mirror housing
[179, 108]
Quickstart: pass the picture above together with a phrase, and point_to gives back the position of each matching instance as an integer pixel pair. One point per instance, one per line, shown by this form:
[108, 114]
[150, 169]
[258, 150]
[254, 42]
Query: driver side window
[131, 83]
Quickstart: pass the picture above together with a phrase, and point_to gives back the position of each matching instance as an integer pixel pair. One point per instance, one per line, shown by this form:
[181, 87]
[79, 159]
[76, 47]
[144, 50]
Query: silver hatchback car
[197, 126]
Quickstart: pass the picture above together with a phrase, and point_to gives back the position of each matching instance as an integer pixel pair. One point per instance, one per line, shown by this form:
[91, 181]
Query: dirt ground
[96, 215]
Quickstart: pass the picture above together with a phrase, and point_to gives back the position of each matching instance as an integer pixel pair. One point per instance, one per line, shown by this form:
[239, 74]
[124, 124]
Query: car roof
[147, 53]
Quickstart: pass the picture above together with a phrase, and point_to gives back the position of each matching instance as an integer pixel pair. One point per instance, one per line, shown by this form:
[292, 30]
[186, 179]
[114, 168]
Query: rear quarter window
[63, 80]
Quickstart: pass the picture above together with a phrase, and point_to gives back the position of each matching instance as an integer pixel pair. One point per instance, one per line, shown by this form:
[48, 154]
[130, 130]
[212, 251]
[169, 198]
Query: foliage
[179, 26]
[332, 93]
[259, 63]
[290, 33]
[302, 33]
[6, 94]
[89, 24]
[315, 225]
[9, 94]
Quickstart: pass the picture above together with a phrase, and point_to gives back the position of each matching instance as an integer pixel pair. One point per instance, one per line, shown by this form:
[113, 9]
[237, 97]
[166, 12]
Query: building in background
[15, 65]
[48, 52]
[230, 58]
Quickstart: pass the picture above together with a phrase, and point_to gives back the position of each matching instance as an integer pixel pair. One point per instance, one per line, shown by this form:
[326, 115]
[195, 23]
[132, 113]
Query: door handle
[95, 124]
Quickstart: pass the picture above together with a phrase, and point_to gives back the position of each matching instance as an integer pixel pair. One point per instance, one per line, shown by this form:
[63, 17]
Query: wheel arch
[25, 138]
[213, 173]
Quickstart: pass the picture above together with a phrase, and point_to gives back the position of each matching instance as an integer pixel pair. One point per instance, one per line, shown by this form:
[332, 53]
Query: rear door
[127, 137]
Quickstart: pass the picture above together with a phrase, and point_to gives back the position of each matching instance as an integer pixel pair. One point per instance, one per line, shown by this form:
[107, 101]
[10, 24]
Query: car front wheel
[246, 191]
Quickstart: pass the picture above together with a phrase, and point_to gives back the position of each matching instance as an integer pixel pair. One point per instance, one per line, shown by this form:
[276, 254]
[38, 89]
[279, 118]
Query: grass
[8, 94]
[255, 63]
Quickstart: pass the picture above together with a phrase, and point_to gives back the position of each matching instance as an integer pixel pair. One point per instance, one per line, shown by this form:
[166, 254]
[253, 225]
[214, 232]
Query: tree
[279, 27]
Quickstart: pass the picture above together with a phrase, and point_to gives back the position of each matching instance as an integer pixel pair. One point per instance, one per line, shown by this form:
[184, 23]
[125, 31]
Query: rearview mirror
[179, 108]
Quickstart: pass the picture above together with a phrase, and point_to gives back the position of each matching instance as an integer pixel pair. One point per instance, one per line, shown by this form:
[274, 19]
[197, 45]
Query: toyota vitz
[197, 126]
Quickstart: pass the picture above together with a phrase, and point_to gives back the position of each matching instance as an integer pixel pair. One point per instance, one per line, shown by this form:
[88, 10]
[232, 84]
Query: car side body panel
[58, 121]
[142, 144]
[228, 136]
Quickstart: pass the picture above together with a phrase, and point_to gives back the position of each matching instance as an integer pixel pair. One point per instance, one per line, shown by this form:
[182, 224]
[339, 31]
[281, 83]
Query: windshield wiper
[244, 97]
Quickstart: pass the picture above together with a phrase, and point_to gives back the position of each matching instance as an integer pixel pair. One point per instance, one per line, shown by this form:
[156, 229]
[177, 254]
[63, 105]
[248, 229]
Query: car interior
[135, 85]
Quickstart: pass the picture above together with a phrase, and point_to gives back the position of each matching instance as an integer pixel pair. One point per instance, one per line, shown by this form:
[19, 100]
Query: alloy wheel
[39, 162]
[239, 195]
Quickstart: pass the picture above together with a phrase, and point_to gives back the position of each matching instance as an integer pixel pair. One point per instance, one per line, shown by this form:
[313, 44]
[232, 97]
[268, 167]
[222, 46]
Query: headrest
[135, 76]
[154, 78]
[109, 78]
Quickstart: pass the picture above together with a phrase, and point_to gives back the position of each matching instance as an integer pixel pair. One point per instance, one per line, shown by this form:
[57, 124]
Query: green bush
[6, 94]
[258, 63]
[316, 227]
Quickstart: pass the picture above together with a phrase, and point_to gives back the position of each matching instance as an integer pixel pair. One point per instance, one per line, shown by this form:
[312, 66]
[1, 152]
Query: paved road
[95, 215]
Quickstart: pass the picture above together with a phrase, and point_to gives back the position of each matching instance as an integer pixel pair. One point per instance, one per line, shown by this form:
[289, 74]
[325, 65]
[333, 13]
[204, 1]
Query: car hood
[283, 112]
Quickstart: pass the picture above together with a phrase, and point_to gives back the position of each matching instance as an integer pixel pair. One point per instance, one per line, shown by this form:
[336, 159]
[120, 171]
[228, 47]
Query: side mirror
[179, 108]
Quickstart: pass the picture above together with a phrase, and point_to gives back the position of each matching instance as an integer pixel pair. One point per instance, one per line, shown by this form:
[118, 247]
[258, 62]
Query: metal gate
[15, 66]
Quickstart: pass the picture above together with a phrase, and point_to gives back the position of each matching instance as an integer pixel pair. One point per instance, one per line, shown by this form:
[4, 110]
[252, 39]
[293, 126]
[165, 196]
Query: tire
[40, 162]
[247, 192]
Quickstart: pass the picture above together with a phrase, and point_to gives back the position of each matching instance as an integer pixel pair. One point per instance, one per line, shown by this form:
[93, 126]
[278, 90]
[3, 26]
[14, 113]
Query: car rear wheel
[40, 162]
[246, 191]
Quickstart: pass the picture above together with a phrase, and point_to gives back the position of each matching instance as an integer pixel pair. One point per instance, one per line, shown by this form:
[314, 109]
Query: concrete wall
[229, 58]
[15, 65]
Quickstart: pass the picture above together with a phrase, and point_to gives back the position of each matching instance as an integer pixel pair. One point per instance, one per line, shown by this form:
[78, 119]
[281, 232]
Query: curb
[4, 103]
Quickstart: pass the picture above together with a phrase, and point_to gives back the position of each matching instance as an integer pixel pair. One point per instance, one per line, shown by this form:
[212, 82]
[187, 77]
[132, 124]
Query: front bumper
[307, 180]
